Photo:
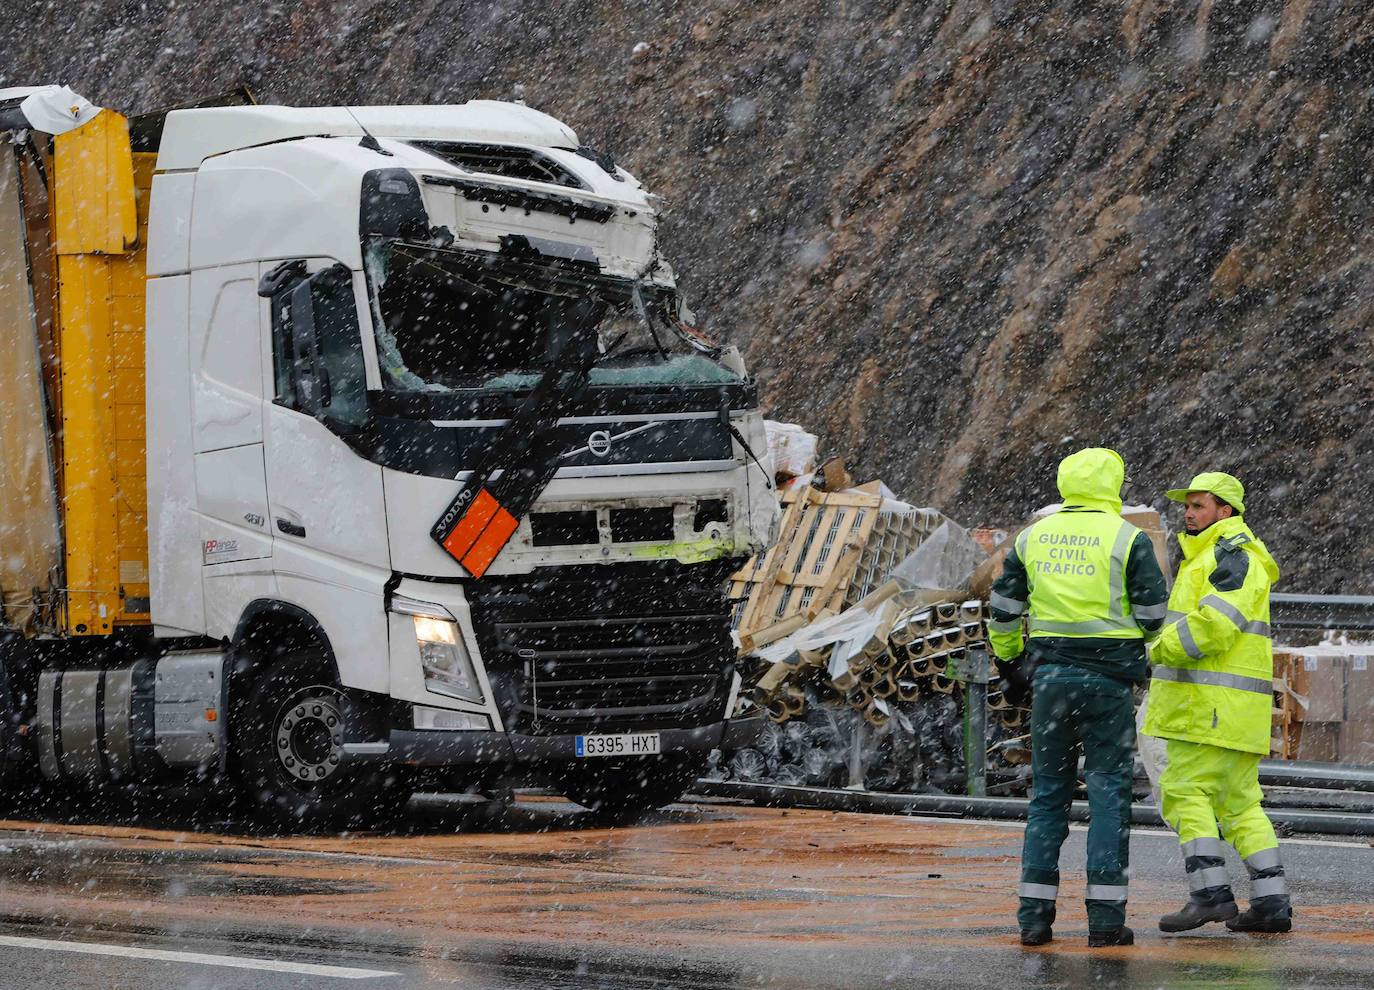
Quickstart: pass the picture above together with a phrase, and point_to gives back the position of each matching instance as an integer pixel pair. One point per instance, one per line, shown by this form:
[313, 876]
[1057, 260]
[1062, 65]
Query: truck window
[458, 320]
[340, 350]
[341, 346]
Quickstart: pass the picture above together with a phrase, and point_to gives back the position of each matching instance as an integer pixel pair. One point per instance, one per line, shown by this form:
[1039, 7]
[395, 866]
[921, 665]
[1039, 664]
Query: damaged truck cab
[353, 315]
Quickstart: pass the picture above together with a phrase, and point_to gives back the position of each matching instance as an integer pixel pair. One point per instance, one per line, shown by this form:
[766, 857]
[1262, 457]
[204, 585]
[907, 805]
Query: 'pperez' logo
[217, 548]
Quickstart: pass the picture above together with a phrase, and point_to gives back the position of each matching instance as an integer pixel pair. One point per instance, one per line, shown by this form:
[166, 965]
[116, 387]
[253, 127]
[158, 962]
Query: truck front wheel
[289, 739]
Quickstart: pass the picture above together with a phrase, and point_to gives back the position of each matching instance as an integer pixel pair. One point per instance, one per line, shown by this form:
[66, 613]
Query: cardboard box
[1320, 742]
[1337, 682]
[1325, 672]
[1357, 731]
[1290, 667]
[1149, 521]
[986, 574]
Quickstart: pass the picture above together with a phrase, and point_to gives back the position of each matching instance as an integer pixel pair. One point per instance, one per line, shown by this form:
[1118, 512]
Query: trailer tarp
[30, 538]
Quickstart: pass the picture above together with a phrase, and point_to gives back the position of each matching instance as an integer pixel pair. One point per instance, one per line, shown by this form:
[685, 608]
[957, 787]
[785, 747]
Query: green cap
[1220, 484]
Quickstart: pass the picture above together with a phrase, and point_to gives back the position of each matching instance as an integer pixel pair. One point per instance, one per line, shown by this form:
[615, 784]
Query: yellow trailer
[75, 211]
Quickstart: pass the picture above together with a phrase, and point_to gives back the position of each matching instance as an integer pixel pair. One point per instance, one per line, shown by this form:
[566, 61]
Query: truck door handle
[290, 528]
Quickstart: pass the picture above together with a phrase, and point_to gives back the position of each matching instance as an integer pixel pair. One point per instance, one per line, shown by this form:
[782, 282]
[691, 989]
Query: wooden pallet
[906, 656]
[1290, 705]
[813, 563]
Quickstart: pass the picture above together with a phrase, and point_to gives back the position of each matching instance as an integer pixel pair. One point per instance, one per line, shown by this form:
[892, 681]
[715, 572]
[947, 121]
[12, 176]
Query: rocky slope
[957, 238]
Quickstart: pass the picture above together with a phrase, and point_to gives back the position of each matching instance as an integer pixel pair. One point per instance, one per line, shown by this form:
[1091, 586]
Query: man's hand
[1014, 682]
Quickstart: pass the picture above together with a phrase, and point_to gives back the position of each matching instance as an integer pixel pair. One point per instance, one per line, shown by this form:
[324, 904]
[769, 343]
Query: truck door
[325, 501]
[230, 476]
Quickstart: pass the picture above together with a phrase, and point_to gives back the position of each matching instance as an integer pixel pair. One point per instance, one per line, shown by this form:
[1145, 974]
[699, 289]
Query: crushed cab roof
[191, 136]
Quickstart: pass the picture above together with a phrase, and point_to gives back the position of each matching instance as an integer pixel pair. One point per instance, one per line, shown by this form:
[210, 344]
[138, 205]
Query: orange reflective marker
[493, 539]
[470, 527]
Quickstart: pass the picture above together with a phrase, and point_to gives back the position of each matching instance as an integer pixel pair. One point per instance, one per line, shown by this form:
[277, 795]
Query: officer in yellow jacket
[1091, 590]
[1210, 697]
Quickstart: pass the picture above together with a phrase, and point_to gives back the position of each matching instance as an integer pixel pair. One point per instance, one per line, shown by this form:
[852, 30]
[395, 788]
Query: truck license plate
[628, 744]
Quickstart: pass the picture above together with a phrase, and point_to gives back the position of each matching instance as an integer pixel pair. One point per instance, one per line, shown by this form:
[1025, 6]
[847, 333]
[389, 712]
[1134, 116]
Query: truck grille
[632, 646]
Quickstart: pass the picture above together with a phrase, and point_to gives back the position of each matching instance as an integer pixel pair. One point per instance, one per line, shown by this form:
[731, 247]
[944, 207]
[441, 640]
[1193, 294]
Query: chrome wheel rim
[309, 735]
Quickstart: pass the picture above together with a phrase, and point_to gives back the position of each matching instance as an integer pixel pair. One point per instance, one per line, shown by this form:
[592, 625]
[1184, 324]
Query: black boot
[1122, 936]
[1266, 915]
[1210, 898]
[1270, 911]
[1036, 936]
[1195, 914]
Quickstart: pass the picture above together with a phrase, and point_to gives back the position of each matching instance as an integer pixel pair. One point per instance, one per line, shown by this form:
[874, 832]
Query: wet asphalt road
[707, 895]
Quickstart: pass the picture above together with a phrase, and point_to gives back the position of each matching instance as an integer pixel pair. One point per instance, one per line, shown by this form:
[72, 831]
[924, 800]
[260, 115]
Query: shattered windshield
[449, 320]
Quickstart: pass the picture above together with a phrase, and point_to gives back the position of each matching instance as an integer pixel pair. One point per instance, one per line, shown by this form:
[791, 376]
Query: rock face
[959, 239]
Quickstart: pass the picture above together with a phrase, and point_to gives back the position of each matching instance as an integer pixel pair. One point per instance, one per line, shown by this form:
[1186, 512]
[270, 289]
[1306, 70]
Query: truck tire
[18, 765]
[623, 790]
[8, 722]
[289, 745]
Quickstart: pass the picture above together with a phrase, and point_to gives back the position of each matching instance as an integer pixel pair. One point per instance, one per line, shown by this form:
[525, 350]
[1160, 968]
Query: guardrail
[1014, 809]
[1353, 612]
[1319, 776]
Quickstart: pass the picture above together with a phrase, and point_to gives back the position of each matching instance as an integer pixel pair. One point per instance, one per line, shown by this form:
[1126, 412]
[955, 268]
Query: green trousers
[1075, 712]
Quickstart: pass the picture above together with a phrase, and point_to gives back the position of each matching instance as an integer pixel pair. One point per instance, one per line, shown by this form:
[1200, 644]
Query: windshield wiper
[638, 298]
[615, 346]
[516, 465]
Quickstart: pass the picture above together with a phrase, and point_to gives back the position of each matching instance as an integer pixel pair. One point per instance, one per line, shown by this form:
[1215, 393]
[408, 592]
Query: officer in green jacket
[1210, 697]
[1090, 588]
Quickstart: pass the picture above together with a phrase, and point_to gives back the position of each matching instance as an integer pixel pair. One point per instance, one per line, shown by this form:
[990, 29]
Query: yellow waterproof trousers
[1206, 786]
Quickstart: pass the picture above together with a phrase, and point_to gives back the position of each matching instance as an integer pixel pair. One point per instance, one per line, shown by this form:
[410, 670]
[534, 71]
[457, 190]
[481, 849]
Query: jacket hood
[1092, 479]
[1226, 528]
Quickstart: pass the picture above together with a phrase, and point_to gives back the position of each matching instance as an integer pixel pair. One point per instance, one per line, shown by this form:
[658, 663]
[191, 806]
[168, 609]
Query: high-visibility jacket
[1084, 580]
[1214, 662]
[1076, 572]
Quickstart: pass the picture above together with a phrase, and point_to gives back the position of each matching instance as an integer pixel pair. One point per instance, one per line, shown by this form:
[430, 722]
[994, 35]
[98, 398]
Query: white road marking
[199, 958]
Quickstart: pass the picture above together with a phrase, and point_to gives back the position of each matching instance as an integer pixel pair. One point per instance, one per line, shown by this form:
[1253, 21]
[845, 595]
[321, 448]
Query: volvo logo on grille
[599, 443]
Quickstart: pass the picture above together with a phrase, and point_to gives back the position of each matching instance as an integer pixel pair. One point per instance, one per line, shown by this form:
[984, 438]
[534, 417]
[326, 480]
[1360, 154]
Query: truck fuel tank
[131, 721]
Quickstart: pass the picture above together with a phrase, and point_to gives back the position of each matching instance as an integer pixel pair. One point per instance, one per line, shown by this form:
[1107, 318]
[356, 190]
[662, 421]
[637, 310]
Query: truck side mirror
[316, 342]
[281, 277]
[305, 352]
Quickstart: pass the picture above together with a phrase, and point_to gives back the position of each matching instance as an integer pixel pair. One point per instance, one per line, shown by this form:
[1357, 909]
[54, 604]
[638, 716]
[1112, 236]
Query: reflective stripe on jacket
[1213, 663]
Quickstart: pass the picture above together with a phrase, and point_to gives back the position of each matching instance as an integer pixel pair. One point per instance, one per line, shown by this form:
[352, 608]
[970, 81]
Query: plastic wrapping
[53, 109]
[793, 449]
[30, 537]
[942, 564]
[1154, 752]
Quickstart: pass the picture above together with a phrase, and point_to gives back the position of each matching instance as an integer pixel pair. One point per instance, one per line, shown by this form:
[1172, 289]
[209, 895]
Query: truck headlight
[444, 660]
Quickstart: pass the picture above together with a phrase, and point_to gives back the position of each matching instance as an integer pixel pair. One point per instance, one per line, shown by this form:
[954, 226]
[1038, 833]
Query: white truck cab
[346, 311]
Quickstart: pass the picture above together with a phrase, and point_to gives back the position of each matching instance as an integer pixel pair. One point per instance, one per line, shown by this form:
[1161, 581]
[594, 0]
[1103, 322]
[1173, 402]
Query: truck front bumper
[441, 748]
